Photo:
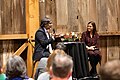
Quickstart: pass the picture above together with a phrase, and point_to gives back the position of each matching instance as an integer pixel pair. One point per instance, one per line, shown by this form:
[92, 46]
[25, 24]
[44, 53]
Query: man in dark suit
[43, 40]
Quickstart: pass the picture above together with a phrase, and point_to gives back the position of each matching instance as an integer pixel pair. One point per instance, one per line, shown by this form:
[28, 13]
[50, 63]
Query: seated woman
[91, 39]
[16, 69]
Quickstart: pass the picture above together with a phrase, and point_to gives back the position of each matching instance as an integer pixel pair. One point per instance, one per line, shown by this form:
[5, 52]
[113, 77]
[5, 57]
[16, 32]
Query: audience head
[91, 26]
[62, 66]
[61, 46]
[15, 67]
[111, 70]
[51, 57]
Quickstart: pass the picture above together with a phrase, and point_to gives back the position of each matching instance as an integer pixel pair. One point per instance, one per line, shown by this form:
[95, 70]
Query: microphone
[53, 31]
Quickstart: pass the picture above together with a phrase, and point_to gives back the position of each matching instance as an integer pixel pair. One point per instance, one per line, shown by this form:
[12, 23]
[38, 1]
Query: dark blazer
[41, 42]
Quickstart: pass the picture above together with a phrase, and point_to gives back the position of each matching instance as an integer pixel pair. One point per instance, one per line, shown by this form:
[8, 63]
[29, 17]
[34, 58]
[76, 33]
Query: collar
[45, 29]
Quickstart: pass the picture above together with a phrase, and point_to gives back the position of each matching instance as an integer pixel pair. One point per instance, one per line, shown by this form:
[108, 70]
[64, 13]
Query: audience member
[111, 70]
[16, 69]
[2, 75]
[91, 38]
[61, 46]
[62, 67]
[46, 75]
[51, 58]
[43, 62]
[41, 68]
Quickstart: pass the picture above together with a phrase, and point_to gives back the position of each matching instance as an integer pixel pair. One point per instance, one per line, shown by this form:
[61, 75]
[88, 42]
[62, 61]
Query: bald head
[62, 65]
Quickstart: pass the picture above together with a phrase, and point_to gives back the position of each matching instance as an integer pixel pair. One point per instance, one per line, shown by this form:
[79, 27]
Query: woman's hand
[90, 48]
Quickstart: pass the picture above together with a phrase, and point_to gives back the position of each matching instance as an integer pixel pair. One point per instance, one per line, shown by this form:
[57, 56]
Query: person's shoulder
[40, 30]
[44, 76]
[84, 33]
[96, 33]
[43, 59]
[2, 76]
[42, 63]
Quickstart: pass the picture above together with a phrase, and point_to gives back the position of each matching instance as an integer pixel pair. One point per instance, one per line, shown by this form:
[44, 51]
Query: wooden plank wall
[12, 21]
[67, 16]
[50, 10]
[73, 15]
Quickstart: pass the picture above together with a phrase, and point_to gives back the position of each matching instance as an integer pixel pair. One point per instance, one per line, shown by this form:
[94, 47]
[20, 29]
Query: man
[61, 67]
[43, 40]
[111, 70]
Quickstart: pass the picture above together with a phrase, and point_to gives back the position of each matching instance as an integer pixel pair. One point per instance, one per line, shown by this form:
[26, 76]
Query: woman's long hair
[94, 28]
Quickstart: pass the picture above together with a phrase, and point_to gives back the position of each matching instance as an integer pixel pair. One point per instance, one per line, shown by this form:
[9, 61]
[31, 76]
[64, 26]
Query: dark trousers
[94, 58]
[38, 55]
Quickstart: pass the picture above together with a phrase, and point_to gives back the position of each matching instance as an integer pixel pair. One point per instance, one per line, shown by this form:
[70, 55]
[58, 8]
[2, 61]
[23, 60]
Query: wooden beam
[25, 36]
[32, 24]
[21, 49]
[115, 33]
[13, 36]
[92, 8]
[29, 60]
[105, 33]
[32, 17]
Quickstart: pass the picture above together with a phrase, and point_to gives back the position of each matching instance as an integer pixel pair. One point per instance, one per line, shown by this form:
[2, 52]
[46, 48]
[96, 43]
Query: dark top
[41, 43]
[94, 41]
[18, 78]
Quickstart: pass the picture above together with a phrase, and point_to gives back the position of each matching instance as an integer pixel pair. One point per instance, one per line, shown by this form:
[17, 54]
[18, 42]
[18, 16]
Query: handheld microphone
[53, 31]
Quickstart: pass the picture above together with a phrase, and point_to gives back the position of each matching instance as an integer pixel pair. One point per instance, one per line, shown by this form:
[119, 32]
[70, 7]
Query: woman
[16, 69]
[91, 38]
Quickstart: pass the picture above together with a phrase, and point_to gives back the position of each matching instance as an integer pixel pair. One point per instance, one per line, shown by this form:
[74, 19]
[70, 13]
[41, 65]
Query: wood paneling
[12, 16]
[112, 15]
[72, 16]
[62, 12]
[67, 16]
[113, 48]
[118, 14]
[50, 10]
[105, 13]
[12, 21]
[103, 49]
[83, 12]
[41, 9]
[102, 15]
